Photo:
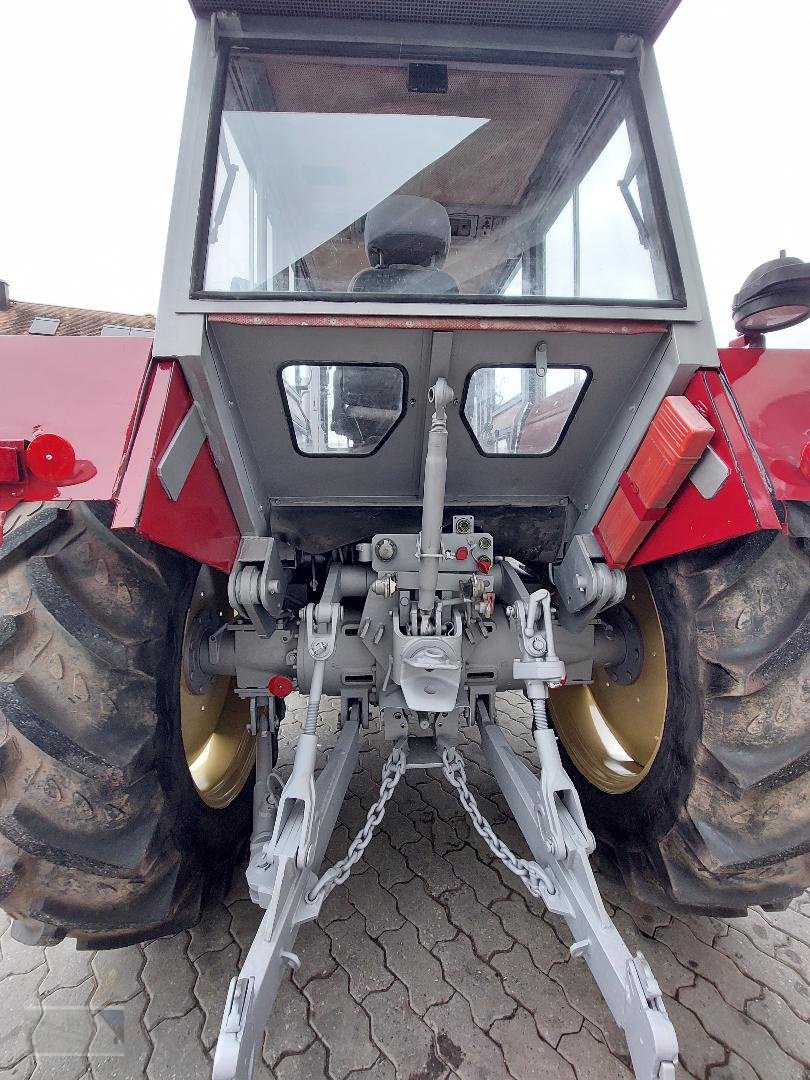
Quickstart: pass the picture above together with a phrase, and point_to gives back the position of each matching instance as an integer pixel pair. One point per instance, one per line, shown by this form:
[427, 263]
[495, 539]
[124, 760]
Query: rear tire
[103, 835]
[722, 819]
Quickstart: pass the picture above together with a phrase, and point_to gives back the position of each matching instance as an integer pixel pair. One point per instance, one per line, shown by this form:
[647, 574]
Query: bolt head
[386, 549]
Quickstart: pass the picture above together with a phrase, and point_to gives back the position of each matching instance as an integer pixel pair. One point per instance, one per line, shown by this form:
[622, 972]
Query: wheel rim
[613, 732]
[217, 743]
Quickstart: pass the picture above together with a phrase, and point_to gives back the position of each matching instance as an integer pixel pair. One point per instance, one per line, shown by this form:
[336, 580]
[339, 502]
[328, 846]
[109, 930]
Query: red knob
[280, 686]
[462, 554]
[484, 564]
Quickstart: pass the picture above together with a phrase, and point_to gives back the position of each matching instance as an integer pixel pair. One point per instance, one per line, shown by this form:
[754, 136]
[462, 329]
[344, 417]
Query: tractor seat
[407, 239]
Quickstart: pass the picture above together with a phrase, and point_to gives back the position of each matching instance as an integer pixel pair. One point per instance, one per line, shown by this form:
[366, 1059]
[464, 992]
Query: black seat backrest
[407, 240]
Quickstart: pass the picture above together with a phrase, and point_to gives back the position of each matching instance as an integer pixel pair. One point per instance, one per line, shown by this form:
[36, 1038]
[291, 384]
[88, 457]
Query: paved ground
[428, 964]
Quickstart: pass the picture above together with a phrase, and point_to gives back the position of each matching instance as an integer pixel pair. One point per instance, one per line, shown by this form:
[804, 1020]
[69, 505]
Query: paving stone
[310, 1065]
[341, 1024]
[214, 973]
[168, 976]
[790, 922]
[336, 907]
[16, 1024]
[543, 997]
[338, 845]
[288, 1031]
[420, 971]
[433, 868]
[582, 993]
[388, 861]
[353, 814]
[698, 1050]
[238, 889]
[359, 955]
[481, 878]
[375, 903]
[527, 1056]
[532, 931]
[462, 1045]
[792, 1034]
[245, 919]
[398, 827]
[795, 955]
[21, 1071]
[759, 932]
[646, 917]
[117, 973]
[211, 932]
[380, 1070]
[120, 1048]
[479, 923]
[18, 959]
[670, 973]
[735, 987]
[591, 1058]
[64, 1032]
[767, 971]
[476, 981]
[67, 966]
[734, 1069]
[403, 1037]
[427, 915]
[178, 1053]
[707, 929]
[313, 947]
[444, 802]
[749, 1039]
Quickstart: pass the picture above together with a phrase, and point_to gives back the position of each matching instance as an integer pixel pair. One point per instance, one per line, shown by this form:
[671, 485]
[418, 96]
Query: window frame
[624, 70]
[334, 455]
[462, 411]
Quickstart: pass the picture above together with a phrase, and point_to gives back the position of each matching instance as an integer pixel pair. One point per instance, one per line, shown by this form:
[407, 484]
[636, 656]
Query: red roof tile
[18, 317]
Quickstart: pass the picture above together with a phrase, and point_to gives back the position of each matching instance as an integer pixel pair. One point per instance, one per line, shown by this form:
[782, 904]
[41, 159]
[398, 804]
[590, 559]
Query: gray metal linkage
[626, 981]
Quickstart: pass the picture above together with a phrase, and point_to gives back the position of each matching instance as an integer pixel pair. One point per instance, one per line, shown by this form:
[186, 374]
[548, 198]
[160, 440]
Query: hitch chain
[536, 880]
[337, 874]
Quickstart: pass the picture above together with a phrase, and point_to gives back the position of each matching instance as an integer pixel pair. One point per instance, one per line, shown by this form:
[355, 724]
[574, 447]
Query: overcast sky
[91, 99]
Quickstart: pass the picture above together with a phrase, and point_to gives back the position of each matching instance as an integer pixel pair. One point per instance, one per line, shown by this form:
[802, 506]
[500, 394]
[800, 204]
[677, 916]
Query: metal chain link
[337, 874]
[536, 880]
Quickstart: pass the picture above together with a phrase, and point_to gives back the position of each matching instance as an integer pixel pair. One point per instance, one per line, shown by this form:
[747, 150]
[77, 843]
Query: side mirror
[775, 296]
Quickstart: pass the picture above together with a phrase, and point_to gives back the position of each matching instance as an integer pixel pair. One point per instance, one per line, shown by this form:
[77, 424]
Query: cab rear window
[516, 411]
[342, 409]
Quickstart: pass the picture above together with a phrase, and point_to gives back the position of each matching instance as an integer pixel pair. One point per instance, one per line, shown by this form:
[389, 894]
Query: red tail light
[51, 458]
[675, 441]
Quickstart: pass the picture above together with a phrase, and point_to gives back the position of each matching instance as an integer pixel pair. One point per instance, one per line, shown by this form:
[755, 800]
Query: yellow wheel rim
[612, 732]
[218, 745]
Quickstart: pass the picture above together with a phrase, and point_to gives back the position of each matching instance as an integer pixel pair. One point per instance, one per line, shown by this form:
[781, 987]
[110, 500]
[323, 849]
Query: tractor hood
[643, 17]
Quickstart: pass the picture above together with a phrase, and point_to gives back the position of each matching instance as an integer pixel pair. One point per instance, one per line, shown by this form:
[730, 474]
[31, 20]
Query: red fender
[111, 412]
[759, 406]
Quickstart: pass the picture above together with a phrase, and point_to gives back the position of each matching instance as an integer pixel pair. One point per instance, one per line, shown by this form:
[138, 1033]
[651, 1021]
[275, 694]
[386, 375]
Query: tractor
[433, 410]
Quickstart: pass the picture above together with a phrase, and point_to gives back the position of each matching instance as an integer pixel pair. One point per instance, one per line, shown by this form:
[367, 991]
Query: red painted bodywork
[201, 523]
[118, 411]
[772, 389]
[85, 389]
[759, 405]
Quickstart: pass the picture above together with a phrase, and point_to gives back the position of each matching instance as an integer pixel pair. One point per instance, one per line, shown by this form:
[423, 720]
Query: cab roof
[643, 17]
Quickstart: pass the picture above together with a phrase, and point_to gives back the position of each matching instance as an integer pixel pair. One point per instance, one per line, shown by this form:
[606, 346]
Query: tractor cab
[393, 192]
